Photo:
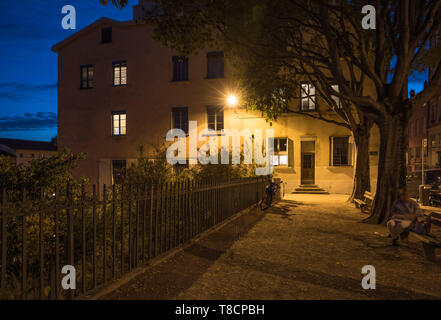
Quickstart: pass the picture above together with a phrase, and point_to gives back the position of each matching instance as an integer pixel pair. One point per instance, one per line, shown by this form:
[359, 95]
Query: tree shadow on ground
[326, 280]
[284, 208]
[170, 277]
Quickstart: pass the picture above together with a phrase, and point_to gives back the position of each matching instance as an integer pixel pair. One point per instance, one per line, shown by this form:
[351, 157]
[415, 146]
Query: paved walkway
[306, 247]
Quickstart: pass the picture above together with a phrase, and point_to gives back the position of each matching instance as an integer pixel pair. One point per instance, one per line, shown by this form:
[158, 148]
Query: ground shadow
[174, 275]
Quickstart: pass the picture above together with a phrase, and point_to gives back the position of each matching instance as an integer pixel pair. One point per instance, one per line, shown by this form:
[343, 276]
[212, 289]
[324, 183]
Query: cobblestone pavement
[306, 247]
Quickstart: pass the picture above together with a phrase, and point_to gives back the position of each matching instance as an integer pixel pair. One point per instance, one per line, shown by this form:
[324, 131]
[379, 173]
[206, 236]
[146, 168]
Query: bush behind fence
[105, 233]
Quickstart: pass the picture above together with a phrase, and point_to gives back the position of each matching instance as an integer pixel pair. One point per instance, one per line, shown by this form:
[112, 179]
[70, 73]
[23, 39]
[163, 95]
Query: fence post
[122, 230]
[113, 231]
[70, 239]
[57, 246]
[94, 236]
[150, 234]
[104, 234]
[4, 240]
[83, 241]
[41, 217]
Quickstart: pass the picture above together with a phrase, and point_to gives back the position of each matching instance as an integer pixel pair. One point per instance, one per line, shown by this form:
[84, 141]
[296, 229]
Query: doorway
[308, 162]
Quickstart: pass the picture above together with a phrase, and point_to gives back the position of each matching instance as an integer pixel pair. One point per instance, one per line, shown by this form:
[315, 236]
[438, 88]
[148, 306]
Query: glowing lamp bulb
[232, 100]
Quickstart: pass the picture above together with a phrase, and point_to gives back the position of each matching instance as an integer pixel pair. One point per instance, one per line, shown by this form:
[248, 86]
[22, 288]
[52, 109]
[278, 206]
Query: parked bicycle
[270, 192]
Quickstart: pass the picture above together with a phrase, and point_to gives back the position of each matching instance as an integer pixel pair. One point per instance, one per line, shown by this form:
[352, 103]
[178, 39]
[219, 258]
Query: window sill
[119, 135]
[179, 81]
[214, 78]
[214, 134]
[344, 166]
[88, 88]
[119, 85]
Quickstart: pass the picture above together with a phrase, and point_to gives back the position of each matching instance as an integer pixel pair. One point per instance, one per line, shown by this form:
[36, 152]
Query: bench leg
[429, 251]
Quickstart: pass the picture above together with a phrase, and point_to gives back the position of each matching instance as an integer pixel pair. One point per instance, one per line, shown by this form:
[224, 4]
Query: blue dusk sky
[28, 78]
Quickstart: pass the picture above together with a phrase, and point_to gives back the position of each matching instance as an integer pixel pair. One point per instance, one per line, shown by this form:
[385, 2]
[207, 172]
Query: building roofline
[57, 47]
[18, 144]
[7, 150]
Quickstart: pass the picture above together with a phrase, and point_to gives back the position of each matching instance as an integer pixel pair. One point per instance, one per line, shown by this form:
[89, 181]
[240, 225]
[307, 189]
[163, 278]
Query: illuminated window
[308, 97]
[335, 98]
[120, 73]
[86, 77]
[280, 156]
[180, 118]
[215, 64]
[119, 123]
[180, 68]
[215, 118]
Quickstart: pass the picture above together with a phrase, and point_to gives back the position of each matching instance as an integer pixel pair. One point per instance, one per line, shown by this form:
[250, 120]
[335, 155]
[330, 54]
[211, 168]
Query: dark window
[119, 123]
[215, 65]
[215, 118]
[120, 73]
[308, 97]
[340, 151]
[86, 77]
[280, 144]
[180, 68]
[180, 118]
[106, 35]
[118, 171]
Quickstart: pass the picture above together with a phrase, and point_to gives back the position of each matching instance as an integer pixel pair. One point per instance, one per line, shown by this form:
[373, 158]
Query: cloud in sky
[19, 91]
[29, 121]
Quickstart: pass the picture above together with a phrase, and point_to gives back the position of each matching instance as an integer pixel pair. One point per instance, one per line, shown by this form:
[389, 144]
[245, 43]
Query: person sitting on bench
[403, 217]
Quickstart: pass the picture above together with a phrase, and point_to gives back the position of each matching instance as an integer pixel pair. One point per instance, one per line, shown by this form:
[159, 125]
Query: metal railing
[106, 234]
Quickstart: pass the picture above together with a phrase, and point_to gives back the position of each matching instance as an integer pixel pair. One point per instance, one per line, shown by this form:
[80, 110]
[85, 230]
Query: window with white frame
[308, 97]
[215, 118]
[120, 73]
[335, 98]
[340, 151]
[280, 156]
[119, 123]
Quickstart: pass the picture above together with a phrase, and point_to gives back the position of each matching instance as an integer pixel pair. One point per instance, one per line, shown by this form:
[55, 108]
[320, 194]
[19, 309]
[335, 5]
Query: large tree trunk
[362, 176]
[391, 165]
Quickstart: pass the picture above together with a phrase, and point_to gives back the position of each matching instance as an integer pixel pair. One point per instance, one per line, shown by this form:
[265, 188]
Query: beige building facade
[119, 89]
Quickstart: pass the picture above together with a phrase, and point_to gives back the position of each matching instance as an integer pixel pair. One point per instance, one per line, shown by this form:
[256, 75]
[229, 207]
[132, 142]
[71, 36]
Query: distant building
[23, 151]
[417, 132]
[434, 118]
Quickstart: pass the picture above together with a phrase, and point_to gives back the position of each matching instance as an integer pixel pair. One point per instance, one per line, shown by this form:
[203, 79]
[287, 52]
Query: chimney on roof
[138, 10]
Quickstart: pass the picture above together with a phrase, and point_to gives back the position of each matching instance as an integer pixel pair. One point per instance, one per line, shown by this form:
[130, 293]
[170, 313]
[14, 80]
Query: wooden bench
[430, 243]
[366, 204]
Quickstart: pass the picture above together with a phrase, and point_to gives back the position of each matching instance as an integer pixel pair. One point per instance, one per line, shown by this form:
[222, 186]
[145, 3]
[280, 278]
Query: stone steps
[309, 189]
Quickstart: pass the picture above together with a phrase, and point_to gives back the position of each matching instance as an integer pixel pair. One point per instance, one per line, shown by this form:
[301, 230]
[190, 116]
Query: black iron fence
[105, 234]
